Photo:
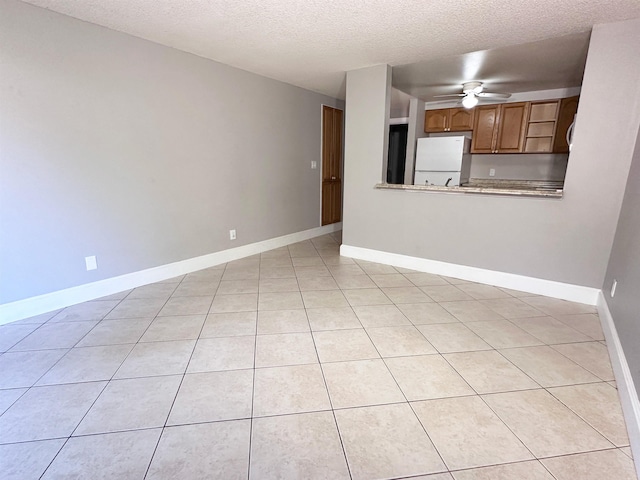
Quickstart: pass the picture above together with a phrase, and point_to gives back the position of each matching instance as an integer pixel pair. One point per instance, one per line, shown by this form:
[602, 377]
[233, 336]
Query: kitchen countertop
[515, 188]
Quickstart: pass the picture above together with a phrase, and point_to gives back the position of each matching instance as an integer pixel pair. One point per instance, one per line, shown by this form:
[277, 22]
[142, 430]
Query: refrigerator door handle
[569, 136]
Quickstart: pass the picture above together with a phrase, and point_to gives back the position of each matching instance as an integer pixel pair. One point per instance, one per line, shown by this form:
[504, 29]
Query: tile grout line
[253, 383]
[578, 364]
[76, 427]
[179, 385]
[67, 438]
[326, 387]
[409, 403]
[541, 388]
[584, 419]
[67, 348]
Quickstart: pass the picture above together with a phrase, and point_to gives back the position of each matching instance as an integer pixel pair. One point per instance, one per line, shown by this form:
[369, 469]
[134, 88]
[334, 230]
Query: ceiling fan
[472, 92]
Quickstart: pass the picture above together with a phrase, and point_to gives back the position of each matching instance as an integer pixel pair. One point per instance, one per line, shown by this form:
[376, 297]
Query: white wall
[416, 131]
[140, 154]
[530, 166]
[624, 267]
[566, 240]
[622, 308]
[366, 138]
[399, 107]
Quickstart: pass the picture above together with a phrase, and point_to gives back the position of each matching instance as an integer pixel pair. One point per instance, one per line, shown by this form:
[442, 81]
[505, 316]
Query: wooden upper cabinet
[566, 115]
[499, 128]
[436, 120]
[461, 119]
[448, 120]
[485, 128]
[522, 127]
[511, 130]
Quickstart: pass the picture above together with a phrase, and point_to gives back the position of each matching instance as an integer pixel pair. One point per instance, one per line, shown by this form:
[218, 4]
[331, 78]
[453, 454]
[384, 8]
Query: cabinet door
[512, 127]
[461, 119]
[568, 109]
[485, 127]
[436, 120]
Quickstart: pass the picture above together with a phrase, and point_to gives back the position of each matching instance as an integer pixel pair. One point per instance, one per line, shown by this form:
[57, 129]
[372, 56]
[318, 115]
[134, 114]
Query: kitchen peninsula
[508, 188]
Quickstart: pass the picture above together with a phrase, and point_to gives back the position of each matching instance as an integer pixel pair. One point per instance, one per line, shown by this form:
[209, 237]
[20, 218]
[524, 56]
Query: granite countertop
[517, 188]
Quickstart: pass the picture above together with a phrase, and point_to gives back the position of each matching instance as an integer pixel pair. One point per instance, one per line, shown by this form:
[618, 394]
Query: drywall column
[624, 267]
[416, 131]
[368, 102]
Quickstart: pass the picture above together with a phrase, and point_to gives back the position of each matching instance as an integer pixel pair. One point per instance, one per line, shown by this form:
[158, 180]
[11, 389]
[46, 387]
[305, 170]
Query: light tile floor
[300, 364]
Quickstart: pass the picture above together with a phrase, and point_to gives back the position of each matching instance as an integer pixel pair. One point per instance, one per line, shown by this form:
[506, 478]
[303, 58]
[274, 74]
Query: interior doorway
[397, 153]
[332, 120]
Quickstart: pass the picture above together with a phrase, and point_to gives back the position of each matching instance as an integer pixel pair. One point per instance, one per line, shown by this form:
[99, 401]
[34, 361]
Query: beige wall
[140, 154]
[565, 240]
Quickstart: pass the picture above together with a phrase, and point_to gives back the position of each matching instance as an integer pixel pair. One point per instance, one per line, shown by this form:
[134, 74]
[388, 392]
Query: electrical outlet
[613, 288]
[91, 263]
[314, 165]
[492, 172]
[232, 234]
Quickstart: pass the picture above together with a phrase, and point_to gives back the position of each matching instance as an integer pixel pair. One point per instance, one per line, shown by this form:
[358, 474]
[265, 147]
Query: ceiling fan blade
[446, 102]
[493, 95]
[449, 96]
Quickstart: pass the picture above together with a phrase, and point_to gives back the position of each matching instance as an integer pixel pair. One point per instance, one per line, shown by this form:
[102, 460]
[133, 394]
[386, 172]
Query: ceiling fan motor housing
[472, 87]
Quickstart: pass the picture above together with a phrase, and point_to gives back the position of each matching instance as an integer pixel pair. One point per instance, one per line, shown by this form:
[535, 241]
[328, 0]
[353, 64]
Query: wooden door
[485, 128]
[332, 119]
[512, 126]
[436, 120]
[461, 119]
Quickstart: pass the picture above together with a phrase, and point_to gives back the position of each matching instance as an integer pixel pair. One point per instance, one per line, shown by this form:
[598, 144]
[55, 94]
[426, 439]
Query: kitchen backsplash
[534, 166]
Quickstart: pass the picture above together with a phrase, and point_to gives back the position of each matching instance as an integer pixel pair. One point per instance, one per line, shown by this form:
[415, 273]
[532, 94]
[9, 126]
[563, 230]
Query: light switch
[314, 165]
[91, 263]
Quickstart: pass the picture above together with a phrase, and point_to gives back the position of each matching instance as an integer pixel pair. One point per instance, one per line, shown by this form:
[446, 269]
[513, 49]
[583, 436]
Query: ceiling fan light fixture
[469, 100]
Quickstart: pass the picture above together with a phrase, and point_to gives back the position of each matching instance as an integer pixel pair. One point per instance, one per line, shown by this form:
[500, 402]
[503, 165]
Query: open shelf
[541, 127]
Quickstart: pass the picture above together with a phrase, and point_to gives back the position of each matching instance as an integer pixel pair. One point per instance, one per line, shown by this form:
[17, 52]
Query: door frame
[320, 166]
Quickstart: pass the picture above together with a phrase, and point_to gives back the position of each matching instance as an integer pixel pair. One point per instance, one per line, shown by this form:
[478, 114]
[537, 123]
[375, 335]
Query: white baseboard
[29, 307]
[549, 288]
[624, 381]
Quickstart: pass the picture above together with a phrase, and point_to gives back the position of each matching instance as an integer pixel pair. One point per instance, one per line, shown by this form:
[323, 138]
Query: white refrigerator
[442, 161]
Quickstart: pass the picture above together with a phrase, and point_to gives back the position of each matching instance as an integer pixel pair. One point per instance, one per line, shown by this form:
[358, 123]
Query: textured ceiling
[311, 43]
